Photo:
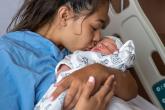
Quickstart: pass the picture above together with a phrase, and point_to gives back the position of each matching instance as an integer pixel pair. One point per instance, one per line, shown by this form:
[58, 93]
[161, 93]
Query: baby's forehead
[106, 39]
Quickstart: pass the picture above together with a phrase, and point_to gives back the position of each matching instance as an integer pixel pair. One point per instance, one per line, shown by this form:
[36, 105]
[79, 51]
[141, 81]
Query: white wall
[8, 8]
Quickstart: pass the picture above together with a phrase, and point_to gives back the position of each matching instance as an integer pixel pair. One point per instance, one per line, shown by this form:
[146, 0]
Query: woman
[43, 33]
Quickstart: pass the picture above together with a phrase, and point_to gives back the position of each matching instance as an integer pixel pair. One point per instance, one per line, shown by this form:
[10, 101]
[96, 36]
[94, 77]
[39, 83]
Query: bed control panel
[159, 90]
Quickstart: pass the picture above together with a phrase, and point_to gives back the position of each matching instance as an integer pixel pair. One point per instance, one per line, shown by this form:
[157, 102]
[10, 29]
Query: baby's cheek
[106, 51]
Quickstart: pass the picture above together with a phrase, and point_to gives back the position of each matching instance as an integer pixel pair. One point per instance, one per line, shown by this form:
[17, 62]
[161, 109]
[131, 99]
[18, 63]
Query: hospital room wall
[155, 11]
[8, 8]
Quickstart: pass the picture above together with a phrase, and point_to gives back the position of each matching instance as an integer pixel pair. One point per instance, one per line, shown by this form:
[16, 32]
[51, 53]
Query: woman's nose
[97, 36]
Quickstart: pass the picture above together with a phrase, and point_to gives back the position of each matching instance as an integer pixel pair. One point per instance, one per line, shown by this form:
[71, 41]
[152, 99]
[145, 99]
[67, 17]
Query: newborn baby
[110, 52]
[106, 46]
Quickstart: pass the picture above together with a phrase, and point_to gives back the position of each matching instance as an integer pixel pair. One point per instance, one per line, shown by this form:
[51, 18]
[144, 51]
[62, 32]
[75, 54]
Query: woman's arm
[126, 87]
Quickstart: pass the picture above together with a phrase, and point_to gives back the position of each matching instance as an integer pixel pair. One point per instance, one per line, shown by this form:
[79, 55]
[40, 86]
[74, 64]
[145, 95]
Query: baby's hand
[62, 68]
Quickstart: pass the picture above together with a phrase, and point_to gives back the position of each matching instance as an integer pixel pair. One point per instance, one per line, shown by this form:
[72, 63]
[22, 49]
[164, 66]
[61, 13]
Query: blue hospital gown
[27, 63]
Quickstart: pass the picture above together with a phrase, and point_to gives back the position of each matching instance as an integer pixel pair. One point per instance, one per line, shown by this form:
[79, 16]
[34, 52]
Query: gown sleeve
[17, 84]
[20, 86]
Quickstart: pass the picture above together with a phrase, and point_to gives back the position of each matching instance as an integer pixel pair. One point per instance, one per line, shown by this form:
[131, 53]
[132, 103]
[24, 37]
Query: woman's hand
[126, 87]
[76, 82]
[100, 99]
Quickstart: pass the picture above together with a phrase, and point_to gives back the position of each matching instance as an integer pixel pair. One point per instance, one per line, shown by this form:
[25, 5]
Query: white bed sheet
[143, 104]
[137, 103]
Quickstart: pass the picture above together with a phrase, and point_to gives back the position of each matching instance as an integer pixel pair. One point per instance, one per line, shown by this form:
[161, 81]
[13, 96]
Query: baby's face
[106, 46]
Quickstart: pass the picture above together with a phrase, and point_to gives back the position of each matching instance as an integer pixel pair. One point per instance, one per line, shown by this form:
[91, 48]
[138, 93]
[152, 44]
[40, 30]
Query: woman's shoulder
[26, 41]
[16, 49]
[24, 38]
[25, 47]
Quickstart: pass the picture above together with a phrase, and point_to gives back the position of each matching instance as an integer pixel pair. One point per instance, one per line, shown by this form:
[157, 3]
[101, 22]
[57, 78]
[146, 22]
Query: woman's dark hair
[36, 13]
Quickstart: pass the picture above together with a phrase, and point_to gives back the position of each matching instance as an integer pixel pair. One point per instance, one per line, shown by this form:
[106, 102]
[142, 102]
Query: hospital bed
[131, 23]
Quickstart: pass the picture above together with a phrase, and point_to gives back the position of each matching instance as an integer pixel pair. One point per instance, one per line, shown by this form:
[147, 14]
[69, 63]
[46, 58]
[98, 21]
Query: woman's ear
[64, 14]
